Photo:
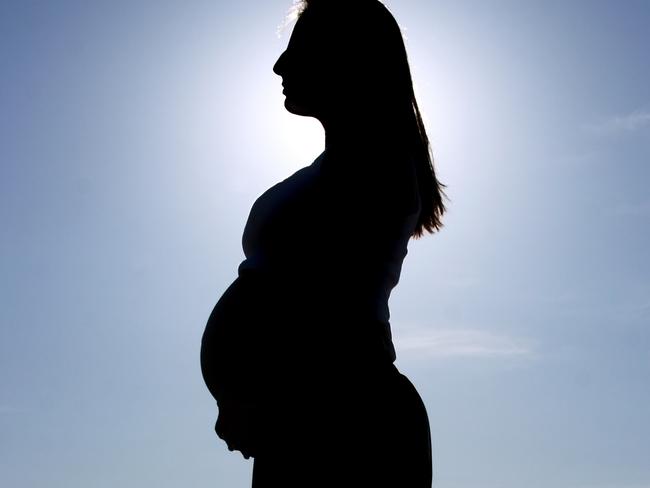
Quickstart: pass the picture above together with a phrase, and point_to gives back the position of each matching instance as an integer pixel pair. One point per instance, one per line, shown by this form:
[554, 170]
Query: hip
[356, 406]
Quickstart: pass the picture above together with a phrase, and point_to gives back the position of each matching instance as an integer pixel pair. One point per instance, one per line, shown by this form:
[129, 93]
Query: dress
[303, 332]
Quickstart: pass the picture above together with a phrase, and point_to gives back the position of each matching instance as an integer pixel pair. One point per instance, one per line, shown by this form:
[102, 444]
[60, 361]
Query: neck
[349, 136]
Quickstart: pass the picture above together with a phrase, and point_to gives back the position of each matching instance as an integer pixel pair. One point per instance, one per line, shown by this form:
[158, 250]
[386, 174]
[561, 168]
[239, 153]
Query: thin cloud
[448, 343]
[631, 122]
[641, 209]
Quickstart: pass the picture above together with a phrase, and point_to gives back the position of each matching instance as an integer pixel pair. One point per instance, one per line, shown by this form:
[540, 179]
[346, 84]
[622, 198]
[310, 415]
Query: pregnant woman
[298, 352]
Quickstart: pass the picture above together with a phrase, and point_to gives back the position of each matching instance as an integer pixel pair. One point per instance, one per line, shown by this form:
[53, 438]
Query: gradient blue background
[134, 137]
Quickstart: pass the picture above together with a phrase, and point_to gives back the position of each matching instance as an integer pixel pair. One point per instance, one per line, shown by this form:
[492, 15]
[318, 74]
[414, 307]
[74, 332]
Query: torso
[282, 314]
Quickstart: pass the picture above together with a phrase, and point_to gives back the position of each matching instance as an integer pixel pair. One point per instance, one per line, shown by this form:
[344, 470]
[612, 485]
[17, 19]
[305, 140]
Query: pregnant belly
[232, 344]
[264, 339]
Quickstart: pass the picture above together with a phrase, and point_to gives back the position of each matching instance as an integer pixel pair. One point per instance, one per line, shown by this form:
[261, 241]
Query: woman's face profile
[302, 67]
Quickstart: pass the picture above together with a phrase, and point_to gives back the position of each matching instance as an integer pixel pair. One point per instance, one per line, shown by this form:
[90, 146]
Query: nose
[278, 67]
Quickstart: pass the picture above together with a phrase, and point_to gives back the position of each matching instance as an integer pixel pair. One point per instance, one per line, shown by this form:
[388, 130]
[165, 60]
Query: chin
[297, 109]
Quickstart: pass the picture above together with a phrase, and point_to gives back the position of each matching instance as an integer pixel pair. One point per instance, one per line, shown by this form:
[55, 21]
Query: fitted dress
[303, 332]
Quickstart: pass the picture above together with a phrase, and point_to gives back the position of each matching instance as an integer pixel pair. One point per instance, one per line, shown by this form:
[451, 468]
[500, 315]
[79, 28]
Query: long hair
[368, 39]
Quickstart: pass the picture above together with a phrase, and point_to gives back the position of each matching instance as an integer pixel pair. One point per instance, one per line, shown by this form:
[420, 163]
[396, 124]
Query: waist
[303, 319]
[333, 298]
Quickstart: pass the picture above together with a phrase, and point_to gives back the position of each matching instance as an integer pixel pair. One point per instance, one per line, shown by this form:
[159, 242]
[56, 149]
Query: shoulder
[378, 178]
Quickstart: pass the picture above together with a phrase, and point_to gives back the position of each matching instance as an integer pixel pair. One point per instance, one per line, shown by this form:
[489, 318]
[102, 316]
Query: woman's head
[346, 65]
[344, 58]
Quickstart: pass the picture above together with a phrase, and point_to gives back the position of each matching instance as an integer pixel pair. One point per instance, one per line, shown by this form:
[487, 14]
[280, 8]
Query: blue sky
[134, 137]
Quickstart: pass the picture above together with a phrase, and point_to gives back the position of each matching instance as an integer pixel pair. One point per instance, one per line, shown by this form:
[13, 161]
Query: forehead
[315, 28]
[304, 30]
[324, 33]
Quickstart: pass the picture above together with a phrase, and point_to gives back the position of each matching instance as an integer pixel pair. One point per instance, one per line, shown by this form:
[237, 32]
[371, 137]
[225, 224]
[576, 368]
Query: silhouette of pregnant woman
[298, 352]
